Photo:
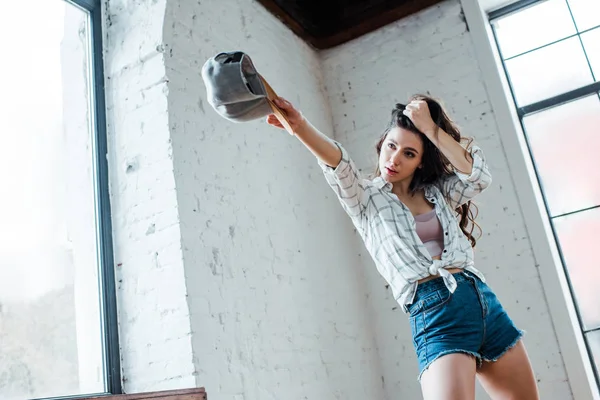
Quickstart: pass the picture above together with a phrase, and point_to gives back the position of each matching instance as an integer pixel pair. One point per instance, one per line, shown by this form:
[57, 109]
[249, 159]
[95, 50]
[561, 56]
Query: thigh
[450, 377]
[510, 377]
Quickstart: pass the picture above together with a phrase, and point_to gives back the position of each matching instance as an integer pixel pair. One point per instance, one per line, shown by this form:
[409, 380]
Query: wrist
[302, 126]
[431, 131]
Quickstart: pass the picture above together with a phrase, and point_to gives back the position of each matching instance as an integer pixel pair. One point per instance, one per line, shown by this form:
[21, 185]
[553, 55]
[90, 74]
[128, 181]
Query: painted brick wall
[276, 300]
[155, 332]
[432, 52]
[237, 269]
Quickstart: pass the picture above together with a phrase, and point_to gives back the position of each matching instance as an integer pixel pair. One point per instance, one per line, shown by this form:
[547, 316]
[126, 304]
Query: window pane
[570, 177]
[593, 339]
[545, 73]
[49, 300]
[586, 13]
[578, 235]
[591, 42]
[552, 22]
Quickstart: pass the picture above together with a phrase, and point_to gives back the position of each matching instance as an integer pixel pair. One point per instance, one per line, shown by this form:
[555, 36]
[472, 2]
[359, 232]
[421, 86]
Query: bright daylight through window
[54, 317]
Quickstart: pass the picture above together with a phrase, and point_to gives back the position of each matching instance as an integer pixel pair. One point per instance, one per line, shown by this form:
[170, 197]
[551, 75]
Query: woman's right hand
[320, 145]
[295, 117]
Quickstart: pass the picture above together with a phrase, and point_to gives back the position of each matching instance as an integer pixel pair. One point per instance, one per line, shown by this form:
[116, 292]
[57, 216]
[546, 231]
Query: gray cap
[237, 91]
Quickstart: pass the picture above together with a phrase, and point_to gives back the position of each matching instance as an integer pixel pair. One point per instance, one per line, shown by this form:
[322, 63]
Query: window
[551, 56]
[58, 328]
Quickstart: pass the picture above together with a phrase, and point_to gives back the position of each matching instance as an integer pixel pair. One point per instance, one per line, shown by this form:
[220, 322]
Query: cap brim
[279, 113]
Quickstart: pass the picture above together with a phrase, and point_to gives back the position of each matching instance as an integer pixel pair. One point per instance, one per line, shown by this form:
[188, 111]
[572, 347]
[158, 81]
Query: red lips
[390, 171]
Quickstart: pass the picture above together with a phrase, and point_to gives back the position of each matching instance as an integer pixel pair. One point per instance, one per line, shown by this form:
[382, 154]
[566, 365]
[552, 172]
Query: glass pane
[593, 339]
[578, 235]
[570, 176]
[591, 43]
[552, 22]
[586, 13]
[549, 71]
[50, 336]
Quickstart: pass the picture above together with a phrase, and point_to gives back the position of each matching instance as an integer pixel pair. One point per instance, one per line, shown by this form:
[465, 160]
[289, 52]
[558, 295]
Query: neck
[401, 188]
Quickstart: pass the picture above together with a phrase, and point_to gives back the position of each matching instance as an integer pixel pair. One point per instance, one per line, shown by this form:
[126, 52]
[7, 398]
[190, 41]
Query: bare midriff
[451, 270]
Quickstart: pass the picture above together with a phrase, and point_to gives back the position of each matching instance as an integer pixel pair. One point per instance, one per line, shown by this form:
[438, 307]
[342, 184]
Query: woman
[413, 218]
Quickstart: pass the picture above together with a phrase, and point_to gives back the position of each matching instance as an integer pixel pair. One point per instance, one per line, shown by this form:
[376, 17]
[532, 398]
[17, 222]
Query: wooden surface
[345, 22]
[179, 394]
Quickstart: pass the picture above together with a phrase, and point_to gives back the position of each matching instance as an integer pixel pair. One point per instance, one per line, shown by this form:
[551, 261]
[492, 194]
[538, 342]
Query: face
[401, 155]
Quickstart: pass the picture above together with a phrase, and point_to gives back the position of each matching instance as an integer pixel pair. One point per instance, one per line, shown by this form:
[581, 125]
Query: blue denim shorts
[471, 321]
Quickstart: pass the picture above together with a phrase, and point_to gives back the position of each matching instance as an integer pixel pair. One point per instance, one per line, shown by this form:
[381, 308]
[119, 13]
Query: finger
[281, 102]
[276, 125]
[420, 104]
[273, 121]
[272, 118]
[411, 106]
[407, 112]
[284, 104]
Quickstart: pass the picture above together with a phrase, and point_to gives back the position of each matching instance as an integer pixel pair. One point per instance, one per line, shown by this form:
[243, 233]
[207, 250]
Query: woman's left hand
[418, 112]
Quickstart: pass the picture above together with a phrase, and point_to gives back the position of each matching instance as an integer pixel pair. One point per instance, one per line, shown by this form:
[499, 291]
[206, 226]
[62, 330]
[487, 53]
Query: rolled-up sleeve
[459, 187]
[347, 183]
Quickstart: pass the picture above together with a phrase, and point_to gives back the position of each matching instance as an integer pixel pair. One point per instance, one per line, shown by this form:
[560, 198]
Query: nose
[396, 158]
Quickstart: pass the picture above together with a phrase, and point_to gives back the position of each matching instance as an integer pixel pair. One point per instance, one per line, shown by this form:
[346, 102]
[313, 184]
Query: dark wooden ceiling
[328, 23]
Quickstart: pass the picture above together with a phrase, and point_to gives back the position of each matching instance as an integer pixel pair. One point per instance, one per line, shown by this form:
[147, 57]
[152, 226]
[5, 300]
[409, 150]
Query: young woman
[414, 219]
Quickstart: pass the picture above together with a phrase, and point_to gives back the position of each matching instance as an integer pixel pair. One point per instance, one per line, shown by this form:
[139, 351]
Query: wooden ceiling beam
[366, 25]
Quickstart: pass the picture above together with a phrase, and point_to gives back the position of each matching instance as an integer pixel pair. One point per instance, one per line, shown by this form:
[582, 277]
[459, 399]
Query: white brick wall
[276, 301]
[155, 332]
[237, 269]
[432, 52]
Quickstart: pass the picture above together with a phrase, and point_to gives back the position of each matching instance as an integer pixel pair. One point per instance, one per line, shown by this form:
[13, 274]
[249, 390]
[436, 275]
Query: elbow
[485, 182]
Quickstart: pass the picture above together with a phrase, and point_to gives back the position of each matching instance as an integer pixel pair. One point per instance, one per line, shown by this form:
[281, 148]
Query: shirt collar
[382, 184]
[430, 193]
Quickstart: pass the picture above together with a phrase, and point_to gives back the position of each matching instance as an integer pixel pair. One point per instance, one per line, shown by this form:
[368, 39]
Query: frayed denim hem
[510, 346]
[476, 355]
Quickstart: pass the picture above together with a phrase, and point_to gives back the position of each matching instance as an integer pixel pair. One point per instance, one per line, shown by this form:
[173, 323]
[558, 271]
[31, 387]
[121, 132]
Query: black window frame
[522, 112]
[106, 274]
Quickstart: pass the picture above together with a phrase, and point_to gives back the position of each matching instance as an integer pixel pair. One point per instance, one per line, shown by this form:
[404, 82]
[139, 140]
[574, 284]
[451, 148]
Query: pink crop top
[429, 230]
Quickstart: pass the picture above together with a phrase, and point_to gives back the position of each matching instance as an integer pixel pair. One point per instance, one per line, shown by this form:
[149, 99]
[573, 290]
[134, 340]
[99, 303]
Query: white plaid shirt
[387, 226]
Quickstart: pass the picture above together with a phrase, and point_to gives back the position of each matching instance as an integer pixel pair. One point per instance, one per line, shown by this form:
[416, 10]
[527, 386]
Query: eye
[410, 154]
[391, 145]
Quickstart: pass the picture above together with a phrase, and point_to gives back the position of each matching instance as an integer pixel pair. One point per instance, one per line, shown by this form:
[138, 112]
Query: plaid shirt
[387, 226]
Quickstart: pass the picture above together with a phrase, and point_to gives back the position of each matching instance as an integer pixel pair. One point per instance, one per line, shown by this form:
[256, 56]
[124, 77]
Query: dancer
[416, 219]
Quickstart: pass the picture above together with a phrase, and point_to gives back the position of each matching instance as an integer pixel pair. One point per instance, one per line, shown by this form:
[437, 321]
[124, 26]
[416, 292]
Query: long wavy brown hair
[435, 166]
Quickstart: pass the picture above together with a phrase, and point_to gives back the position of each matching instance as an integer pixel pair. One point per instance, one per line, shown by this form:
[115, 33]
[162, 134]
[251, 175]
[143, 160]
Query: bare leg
[450, 377]
[511, 377]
